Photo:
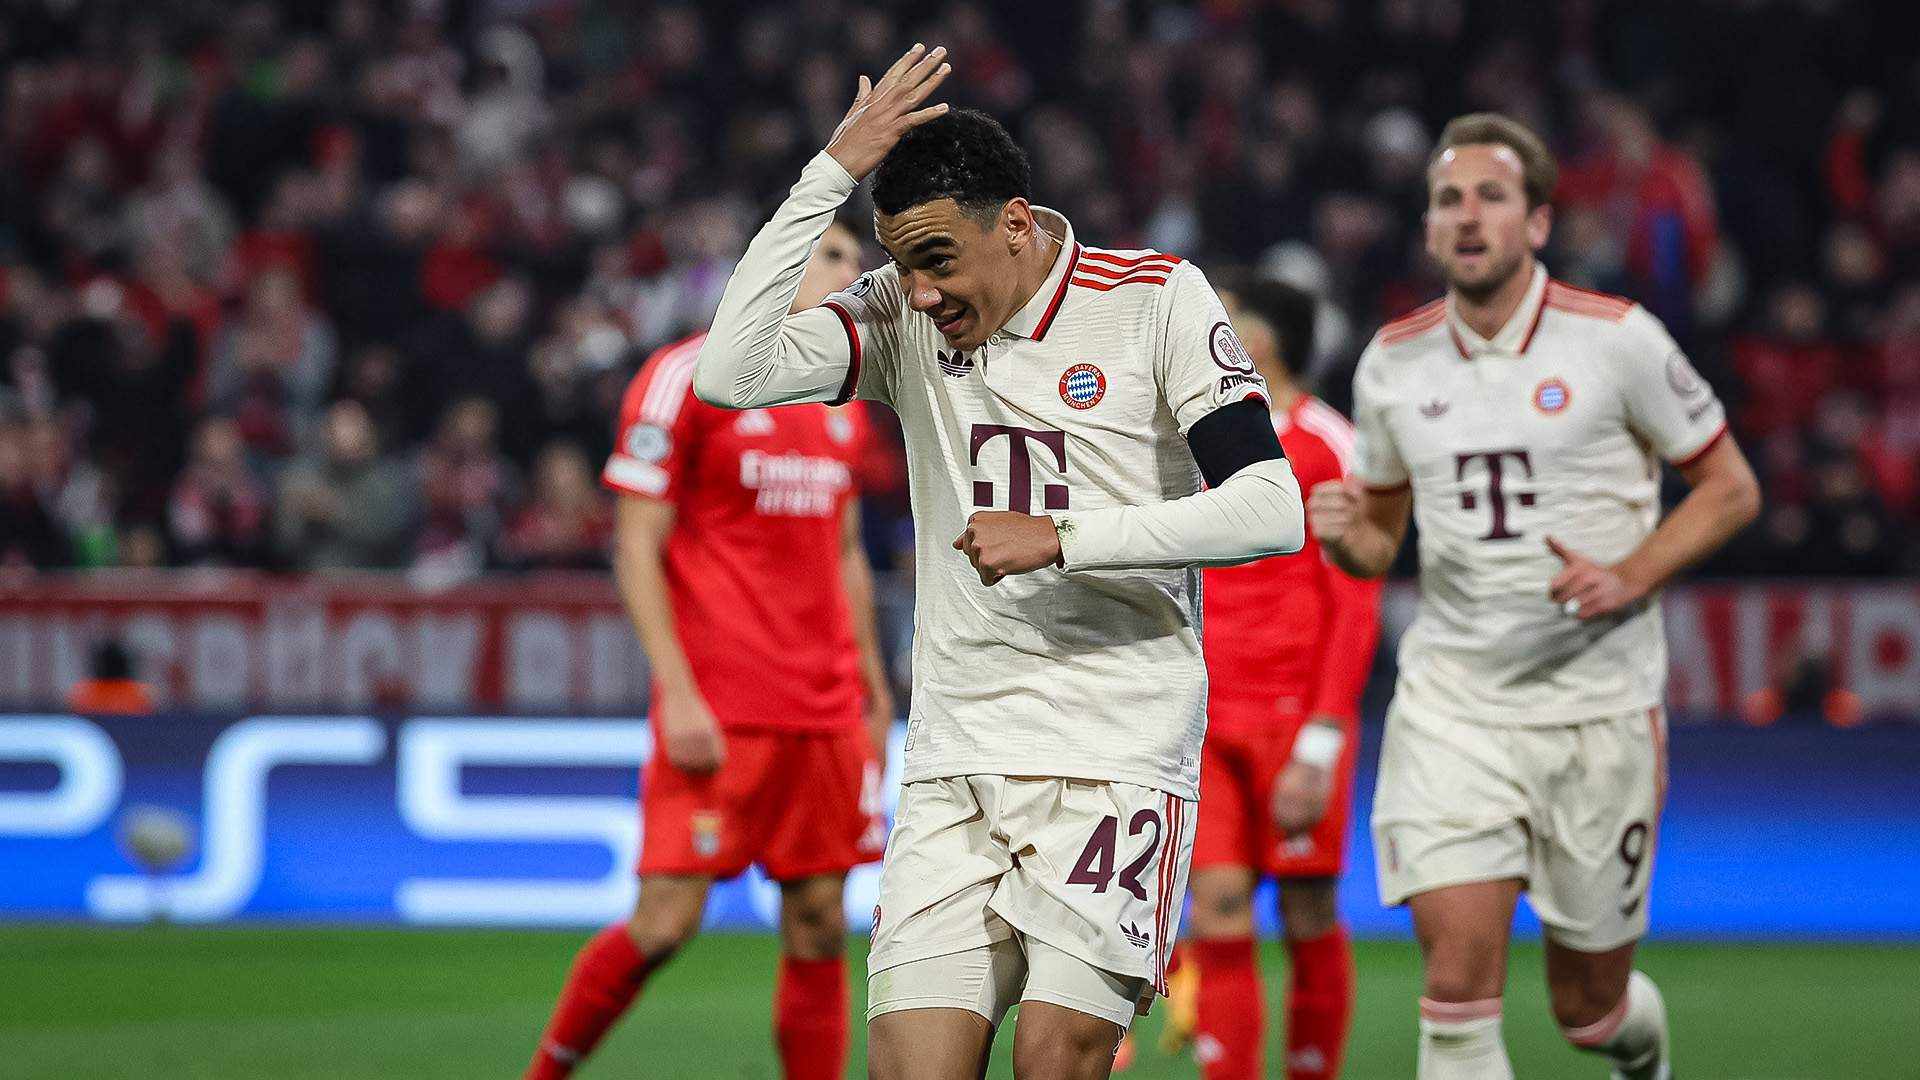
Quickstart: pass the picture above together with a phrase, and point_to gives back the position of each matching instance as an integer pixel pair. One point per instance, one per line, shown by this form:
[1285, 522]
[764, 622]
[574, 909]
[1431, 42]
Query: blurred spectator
[481, 352]
[348, 507]
[29, 533]
[272, 370]
[511, 201]
[1653, 195]
[74, 493]
[567, 524]
[218, 513]
[463, 485]
[110, 689]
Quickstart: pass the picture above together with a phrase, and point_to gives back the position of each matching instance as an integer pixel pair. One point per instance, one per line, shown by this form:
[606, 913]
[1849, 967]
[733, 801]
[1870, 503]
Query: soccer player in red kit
[1289, 643]
[739, 559]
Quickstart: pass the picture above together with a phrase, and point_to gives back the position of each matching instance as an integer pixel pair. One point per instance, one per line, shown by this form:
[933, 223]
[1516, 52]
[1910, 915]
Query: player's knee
[1578, 1003]
[1221, 909]
[1308, 908]
[660, 929]
[813, 921]
[1462, 976]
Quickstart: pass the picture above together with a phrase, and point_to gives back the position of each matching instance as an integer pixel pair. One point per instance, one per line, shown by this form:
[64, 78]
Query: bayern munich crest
[1083, 386]
[1551, 396]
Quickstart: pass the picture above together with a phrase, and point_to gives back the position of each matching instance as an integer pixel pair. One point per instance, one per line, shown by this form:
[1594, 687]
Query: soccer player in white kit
[1062, 406]
[1522, 422]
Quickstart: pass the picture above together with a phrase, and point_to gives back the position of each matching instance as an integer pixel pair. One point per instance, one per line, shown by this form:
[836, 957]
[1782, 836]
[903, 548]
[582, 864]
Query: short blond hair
[1539, 173]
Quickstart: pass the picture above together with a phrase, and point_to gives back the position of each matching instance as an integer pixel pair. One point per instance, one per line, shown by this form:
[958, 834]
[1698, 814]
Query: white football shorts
[1572, 810]
[997, 889]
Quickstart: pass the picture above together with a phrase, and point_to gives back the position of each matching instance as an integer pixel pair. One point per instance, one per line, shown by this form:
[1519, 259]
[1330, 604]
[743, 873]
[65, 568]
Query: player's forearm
[755, 355]
[642, 581]
[1717, 508]
[1255, 513]
[1365, 552]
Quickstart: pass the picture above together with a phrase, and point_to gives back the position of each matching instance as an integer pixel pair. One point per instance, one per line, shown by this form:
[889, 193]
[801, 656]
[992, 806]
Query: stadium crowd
[307, 284]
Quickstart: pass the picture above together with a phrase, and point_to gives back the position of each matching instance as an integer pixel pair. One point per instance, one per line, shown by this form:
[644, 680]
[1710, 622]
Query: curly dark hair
[965, 156]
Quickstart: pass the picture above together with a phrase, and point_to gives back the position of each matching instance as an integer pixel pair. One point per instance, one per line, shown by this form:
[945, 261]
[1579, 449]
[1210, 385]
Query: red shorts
[1247, 744]
[797, 803]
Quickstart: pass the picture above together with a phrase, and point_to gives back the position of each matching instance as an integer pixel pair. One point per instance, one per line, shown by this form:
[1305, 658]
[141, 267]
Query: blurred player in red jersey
[1289, 643]
[739, 558]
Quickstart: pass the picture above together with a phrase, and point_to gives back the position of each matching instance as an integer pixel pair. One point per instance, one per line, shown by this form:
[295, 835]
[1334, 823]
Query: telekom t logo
[1020, 466]
[1496, 493]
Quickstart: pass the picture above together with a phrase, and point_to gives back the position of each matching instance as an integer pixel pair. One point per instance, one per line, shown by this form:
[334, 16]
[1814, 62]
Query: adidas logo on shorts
[1140, 938]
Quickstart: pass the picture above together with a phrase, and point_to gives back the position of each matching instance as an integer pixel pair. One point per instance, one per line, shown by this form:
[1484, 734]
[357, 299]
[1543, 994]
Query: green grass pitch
[301, 1004]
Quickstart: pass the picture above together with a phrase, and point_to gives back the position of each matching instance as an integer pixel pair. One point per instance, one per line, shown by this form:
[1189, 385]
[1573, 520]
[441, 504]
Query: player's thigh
[1463, 931]
[1451, 805]
[707, 823]
[828, 817]
[1072, 1015]
[928, 1044]
[1593, 868]
[1102, 869]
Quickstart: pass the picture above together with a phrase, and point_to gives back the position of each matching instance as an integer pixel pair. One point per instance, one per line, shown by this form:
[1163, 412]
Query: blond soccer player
[1522, 422]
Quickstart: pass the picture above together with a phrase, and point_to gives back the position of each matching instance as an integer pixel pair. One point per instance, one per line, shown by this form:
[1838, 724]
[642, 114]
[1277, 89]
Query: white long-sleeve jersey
[1077, 408]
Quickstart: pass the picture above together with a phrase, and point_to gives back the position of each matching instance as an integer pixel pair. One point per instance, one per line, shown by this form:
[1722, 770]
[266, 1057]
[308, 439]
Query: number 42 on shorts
[1097, 859]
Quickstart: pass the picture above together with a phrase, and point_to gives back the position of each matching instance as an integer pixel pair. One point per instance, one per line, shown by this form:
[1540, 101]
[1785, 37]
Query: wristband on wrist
[1319, 745]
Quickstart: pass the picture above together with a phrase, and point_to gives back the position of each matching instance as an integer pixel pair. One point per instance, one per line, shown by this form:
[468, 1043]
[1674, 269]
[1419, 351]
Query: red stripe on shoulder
[1100, 285]
[1124, 262]
[1412, 325]
[1593, 305]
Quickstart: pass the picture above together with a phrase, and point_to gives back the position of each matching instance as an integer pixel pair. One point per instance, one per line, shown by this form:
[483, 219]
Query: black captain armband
[1233, 437]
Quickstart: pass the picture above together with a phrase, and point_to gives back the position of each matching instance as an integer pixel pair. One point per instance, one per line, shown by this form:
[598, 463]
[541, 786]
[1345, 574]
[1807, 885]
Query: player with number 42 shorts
[1062, 406]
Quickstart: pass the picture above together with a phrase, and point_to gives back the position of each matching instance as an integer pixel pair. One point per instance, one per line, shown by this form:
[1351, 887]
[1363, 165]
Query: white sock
[1633, 1037]
[1461, 1041]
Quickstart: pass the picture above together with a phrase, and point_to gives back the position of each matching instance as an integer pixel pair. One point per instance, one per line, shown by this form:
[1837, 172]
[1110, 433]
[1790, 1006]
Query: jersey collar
[1516, 335]
[1033, 320]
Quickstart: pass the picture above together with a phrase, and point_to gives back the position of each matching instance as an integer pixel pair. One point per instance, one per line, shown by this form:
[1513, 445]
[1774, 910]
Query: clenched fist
[1001, 543]
[1332, 508]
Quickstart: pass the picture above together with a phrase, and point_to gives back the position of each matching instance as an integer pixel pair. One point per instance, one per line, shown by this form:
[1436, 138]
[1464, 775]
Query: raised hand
[1585, 588]
[884, 111]
[1001, 543]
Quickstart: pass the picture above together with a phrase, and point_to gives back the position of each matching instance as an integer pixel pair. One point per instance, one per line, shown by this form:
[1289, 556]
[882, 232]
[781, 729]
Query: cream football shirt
[1557, 426]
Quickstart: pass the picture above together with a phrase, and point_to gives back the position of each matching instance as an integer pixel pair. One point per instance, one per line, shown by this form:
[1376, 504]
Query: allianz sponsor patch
[1682, 378]
[649, 443]
[1227, 350]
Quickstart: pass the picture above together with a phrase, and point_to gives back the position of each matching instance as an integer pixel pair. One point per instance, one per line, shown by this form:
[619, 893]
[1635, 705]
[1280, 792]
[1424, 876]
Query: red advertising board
[561, 643]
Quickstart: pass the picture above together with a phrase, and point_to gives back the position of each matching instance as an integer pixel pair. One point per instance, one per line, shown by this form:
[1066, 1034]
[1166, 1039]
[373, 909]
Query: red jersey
[753, 561]
[1293, 630]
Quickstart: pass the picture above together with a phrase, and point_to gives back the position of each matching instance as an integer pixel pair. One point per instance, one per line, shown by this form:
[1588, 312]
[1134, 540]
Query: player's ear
[1017, 225]
[1539, 225]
